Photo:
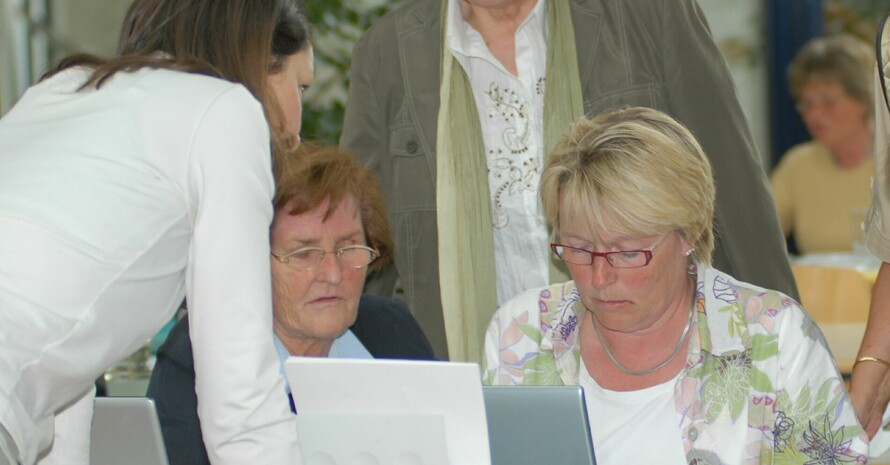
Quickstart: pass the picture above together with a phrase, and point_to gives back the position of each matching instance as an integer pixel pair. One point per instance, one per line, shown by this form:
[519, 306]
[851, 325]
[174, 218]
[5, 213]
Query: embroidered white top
[511, 113]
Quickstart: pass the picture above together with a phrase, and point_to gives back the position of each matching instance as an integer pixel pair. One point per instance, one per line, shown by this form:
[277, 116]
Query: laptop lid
[396, 388]
[367, 438]
[531, 425]
[126, 431]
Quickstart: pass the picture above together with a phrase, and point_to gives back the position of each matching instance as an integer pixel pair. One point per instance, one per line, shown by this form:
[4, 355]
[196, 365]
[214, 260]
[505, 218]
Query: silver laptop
[520, 433]
[126, 431]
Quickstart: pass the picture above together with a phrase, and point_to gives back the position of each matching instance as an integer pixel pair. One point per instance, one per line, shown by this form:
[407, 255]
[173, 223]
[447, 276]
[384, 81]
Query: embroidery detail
[512, 168]
[782, 432]
[511, 180]
[565, 318]
[827, 445]
[506, 105]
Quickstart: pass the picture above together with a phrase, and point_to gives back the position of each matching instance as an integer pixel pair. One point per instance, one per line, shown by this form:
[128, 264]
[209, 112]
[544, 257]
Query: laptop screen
[531, 425]
[126, 430]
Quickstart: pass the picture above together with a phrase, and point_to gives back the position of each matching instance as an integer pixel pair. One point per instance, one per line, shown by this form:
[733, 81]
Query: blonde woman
[672, 353]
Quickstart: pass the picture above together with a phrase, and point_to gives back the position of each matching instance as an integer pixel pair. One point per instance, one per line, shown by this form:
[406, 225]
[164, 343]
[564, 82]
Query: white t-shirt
[629, 426]
[114, 204]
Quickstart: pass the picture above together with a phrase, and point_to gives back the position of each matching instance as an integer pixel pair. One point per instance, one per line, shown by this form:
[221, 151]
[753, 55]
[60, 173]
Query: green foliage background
[339, 25]
[857, 17]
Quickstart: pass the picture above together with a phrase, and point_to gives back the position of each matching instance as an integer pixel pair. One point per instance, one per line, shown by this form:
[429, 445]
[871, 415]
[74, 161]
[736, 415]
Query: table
[837, 295]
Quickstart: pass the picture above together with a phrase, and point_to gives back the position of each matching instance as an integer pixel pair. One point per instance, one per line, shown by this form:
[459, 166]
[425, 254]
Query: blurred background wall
[758, 38]
[36, 33]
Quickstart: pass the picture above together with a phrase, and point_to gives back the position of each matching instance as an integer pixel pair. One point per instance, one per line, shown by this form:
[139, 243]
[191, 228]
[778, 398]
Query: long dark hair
[241, 41]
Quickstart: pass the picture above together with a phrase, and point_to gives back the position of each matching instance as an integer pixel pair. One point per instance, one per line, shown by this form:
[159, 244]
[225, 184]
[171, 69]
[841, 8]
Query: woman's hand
[870, 384]
[870, 393]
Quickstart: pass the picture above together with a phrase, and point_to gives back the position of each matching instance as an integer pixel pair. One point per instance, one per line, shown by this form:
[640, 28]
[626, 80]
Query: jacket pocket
[405, 142]
[413, 181]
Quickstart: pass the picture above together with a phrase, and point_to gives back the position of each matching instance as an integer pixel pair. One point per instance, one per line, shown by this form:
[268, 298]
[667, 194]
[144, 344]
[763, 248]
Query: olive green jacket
[654, 53]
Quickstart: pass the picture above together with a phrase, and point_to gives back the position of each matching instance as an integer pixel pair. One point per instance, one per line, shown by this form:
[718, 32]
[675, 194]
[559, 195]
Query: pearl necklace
[656, 367]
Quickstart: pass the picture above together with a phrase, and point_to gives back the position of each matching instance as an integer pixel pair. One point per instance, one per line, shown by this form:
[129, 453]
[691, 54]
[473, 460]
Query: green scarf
[466, 244]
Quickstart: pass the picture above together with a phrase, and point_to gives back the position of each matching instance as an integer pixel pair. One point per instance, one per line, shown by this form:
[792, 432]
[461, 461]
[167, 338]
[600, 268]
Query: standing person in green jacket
[455, 105]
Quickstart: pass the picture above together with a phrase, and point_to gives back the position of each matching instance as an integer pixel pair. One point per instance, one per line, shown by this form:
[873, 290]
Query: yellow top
[819, 203]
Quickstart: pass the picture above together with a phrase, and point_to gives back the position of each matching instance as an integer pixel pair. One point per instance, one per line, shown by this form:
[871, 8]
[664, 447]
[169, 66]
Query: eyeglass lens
[351, 257]
[620, 259]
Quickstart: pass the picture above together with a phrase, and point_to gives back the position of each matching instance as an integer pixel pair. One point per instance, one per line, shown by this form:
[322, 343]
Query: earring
[689, 252]
[691, 268]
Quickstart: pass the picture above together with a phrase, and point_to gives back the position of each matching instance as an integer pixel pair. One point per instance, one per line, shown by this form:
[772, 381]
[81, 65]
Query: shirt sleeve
[491, 354]
[241, 397]
[71, 441]
[516, 350]
[814, 414]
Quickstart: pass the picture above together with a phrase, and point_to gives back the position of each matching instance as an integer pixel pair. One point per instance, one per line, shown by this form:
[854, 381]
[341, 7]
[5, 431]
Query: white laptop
[533, 425]
[126, 431]
[389, 412]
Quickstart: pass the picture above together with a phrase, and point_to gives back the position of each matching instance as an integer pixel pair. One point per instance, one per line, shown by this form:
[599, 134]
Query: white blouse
[114, 205]
[511, 113]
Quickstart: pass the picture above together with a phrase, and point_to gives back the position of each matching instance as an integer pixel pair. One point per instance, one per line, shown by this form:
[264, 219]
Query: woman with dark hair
[130, 183]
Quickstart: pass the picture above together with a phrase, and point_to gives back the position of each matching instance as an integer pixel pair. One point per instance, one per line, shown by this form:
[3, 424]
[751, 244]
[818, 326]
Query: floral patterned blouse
[760, 382]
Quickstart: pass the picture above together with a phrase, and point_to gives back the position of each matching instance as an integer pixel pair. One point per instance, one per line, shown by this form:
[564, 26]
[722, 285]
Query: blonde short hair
[637, 169]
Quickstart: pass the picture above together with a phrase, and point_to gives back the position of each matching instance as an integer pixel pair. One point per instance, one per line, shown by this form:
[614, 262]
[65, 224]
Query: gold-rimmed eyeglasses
[307, 258]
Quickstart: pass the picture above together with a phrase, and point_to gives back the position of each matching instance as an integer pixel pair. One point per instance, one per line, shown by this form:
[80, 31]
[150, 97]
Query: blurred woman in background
[822, 186]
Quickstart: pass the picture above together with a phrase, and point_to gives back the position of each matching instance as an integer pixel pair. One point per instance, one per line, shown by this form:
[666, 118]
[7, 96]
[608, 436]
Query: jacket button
[411, 146]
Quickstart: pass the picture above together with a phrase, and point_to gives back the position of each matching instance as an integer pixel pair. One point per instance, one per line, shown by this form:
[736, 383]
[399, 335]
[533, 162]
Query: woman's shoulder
[736, 302]
[551, 307]
[189, 107]
[804, 154]
[196, 89]
[721, 286]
